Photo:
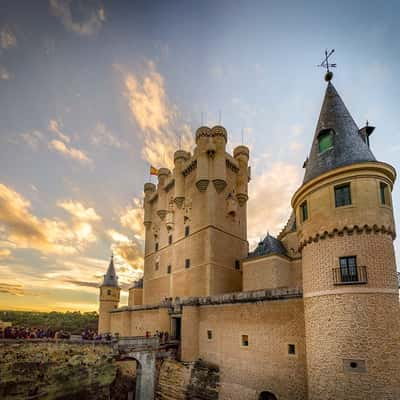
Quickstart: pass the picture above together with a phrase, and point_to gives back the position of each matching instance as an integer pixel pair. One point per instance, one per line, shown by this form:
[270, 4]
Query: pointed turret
[337, 141]
[110, 278]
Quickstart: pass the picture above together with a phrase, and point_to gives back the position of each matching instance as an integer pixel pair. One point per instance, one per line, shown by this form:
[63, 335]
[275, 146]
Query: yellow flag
[153, 170]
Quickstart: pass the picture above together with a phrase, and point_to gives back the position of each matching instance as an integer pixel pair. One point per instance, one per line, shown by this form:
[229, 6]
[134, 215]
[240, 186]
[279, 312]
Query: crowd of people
[89, 334]
[15, 332]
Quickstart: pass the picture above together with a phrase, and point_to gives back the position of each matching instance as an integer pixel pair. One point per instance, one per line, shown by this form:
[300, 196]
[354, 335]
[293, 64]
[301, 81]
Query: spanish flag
[153, 170]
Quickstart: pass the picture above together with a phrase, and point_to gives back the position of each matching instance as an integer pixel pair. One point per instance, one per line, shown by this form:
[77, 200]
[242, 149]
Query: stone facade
[312, 314]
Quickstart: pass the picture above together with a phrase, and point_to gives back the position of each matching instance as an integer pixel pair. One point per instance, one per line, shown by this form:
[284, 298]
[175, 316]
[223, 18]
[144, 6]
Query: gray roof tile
[348, 145]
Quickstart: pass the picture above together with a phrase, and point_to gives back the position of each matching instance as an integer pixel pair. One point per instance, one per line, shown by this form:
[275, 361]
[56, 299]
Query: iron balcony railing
[350, 275]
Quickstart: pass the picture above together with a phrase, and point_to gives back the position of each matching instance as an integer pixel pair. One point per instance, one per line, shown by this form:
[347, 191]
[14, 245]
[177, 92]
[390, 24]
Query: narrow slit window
[291, 349]
[342, 195]
[170, 239]
[304, 211]
[169, 268]
[384, 193]
[209, 334]
[187, 231]
[187, 263]
[245, 340]
[157, 266]
[156, 246]
[325, 140]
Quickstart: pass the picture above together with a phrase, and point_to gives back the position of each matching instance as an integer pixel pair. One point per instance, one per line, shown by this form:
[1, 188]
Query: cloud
[132, 218]
[24, 230]
[4, 253]
[54, 126]
[117, 236]
[269, 200]
[5, 75]
[79, 211]
[101, 135]
[7, 38]
[156, 117]
[69, 152]
[84, 18]
[32, 139]
[16, 290]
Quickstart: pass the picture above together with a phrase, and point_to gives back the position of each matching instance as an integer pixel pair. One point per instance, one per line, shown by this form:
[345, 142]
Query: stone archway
[124, 385]
[145, 373]
[267, 396]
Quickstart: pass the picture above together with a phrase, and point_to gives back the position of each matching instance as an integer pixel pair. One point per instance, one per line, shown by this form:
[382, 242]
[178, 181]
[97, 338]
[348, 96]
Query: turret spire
[337, 140]
[110, 278]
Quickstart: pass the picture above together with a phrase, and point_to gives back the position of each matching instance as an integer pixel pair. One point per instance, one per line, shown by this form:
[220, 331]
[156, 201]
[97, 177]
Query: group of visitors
[14, 332]
[163, 336]
[89, 334]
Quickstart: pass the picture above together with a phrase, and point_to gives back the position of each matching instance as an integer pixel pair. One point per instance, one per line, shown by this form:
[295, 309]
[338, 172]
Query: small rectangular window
[156, 246]
[170, 239]
[304, 211]
[187, 231]
[209, 334]
[342, 195]
[384, 193]
[291, 349]
[187, 263]
[348, 269]
[157, 266]
[169, 268]
[245, 340]
[237, 264]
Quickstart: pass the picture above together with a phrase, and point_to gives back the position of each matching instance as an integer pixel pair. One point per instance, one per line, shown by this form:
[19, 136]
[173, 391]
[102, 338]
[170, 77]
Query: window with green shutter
[325, 140]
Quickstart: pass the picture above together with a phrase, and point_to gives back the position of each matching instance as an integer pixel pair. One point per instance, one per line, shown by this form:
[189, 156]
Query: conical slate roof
[270, 245]
[110, 278]
[348, 145]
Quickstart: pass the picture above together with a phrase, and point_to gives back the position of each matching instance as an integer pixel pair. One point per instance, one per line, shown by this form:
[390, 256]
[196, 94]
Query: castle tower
[196, 221]
[346, 229]
[109, 297]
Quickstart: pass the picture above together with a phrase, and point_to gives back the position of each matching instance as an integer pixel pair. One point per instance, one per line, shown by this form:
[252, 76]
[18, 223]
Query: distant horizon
[94, 93]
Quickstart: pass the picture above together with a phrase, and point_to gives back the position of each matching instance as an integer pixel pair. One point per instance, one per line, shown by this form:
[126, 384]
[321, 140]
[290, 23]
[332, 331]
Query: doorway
[267, 396]
[176, 327]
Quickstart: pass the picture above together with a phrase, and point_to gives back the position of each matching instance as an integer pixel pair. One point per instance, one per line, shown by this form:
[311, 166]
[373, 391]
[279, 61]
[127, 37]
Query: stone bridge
[145, 351]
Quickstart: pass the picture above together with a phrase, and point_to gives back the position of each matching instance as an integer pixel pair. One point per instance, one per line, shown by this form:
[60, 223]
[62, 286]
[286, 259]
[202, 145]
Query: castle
[312, 314]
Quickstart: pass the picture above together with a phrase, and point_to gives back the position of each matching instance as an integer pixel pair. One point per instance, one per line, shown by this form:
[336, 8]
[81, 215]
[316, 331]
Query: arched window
[109, 292]
[325, 140]
[267, 396]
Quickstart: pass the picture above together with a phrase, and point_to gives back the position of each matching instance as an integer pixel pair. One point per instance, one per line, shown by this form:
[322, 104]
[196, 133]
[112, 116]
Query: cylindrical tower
[149, 189]
[180, 157]
[109, 298]
[241, 154]
[219, 136]
[162, 195]
[203, 135]
[346, 229]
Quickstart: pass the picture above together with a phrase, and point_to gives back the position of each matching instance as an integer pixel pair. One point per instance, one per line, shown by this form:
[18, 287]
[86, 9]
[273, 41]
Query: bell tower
[109, 297]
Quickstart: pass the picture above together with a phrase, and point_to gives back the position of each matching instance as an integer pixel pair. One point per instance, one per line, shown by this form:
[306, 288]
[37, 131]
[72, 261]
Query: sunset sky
[92, 93]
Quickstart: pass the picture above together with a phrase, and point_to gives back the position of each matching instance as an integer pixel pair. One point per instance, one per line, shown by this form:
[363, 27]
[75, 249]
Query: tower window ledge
[350, 276]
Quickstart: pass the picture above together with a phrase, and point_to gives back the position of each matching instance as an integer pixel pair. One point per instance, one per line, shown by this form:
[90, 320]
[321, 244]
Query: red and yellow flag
[153, 170]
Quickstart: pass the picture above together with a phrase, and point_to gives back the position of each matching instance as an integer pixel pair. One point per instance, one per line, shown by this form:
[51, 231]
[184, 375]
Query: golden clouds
[16, 290]
[69, 152]
[269, 200]
[155, 116]
[4, 253]
[25, 230]
[54, 126]
[81, 17]
[132, 218]
[78, 210]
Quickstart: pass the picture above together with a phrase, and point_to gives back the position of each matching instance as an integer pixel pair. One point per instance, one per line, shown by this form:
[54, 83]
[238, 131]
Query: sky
[94, 92]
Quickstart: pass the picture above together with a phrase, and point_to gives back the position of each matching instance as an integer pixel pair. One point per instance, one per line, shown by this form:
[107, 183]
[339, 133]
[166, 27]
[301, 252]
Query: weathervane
[325, 64]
